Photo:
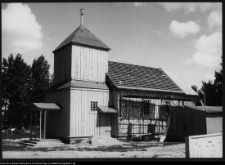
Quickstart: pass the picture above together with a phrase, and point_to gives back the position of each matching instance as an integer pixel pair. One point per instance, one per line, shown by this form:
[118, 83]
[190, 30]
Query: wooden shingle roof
[140, 77]
[82, 36]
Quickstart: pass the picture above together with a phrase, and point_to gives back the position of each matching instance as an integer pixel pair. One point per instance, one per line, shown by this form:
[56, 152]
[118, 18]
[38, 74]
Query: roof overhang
[207, 109]
[46, 107]
[149, 89]
[79, 44]
[103, 109]
[84, 84]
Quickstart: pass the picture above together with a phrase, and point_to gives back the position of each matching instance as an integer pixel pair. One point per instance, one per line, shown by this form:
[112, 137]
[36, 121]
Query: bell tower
[80, 67]
[81, 56]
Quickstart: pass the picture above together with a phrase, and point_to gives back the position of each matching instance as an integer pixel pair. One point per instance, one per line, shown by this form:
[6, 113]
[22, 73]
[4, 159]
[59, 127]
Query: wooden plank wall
[58, 121]
[89, 64]
[214, 123]
[83, 122]
[115, 102]
[62, 65]
[138, 126]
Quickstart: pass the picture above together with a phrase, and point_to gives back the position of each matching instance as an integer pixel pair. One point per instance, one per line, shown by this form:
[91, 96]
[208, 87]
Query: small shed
[214, 117]
[194, 120]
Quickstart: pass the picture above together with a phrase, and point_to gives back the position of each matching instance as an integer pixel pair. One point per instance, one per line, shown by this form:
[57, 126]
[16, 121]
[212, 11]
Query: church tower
[81, 56]
[80, 67]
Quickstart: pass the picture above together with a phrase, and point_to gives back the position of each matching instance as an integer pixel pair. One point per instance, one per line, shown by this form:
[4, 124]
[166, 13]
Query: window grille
[146, 109]
[149, 109]
[164, 110]
[94, 106]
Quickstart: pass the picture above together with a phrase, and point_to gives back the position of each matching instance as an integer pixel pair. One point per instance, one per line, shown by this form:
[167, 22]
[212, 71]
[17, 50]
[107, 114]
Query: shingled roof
[140, 77]
[82, 36]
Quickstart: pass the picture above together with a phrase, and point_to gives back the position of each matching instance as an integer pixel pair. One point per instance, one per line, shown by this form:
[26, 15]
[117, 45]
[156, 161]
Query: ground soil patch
[96, 147]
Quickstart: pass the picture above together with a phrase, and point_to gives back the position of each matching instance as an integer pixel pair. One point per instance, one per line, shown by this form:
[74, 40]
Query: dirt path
[168, 151]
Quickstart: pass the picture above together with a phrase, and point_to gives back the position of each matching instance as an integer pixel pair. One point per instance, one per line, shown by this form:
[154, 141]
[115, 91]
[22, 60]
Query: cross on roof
[81, 16]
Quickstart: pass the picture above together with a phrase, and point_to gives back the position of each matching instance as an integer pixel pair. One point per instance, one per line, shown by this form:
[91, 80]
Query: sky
[183, 39]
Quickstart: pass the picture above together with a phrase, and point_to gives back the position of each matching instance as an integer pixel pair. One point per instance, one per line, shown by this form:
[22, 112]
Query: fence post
[187, 149]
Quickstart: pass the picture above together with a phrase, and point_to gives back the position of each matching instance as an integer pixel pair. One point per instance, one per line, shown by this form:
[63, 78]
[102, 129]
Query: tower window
[94, 106]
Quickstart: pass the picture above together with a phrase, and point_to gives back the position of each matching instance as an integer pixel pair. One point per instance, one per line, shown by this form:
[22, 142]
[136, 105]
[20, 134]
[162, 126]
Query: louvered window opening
[94, 106]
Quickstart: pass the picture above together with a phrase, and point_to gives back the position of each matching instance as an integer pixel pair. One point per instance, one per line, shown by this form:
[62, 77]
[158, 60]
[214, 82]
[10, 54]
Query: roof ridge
[135, 65]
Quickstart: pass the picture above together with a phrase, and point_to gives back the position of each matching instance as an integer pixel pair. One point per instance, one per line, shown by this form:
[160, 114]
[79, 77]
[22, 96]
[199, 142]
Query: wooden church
[99, 97]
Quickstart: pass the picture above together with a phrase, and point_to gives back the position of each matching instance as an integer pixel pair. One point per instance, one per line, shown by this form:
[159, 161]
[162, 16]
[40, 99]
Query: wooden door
[180, 128]
[105, 124]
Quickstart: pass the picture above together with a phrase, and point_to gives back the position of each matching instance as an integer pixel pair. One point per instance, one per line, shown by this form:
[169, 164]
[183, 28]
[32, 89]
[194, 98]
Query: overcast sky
[184, 39]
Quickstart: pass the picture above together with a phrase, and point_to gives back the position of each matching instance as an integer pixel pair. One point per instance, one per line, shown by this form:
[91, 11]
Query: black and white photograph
[124, 81]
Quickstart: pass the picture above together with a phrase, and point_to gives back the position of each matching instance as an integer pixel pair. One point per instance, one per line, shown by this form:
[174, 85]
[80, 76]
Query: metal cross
[81, 12]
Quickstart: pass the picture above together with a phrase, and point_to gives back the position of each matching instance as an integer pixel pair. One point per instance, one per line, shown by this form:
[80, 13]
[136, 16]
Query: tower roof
[82, 36]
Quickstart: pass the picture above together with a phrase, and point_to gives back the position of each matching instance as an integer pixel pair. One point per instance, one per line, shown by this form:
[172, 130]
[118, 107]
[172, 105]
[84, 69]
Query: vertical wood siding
[114, 99]
[214, 123]
[83, 122]
[89, 64]
[62, 65]
[58, 121]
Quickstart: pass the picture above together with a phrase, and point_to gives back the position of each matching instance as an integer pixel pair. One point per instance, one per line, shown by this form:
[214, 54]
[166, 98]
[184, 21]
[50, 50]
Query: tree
[41, 79]
[16, 89]
[51, 80]
[200, 94]
[213, 90]
[218, 87]
[23, 85]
